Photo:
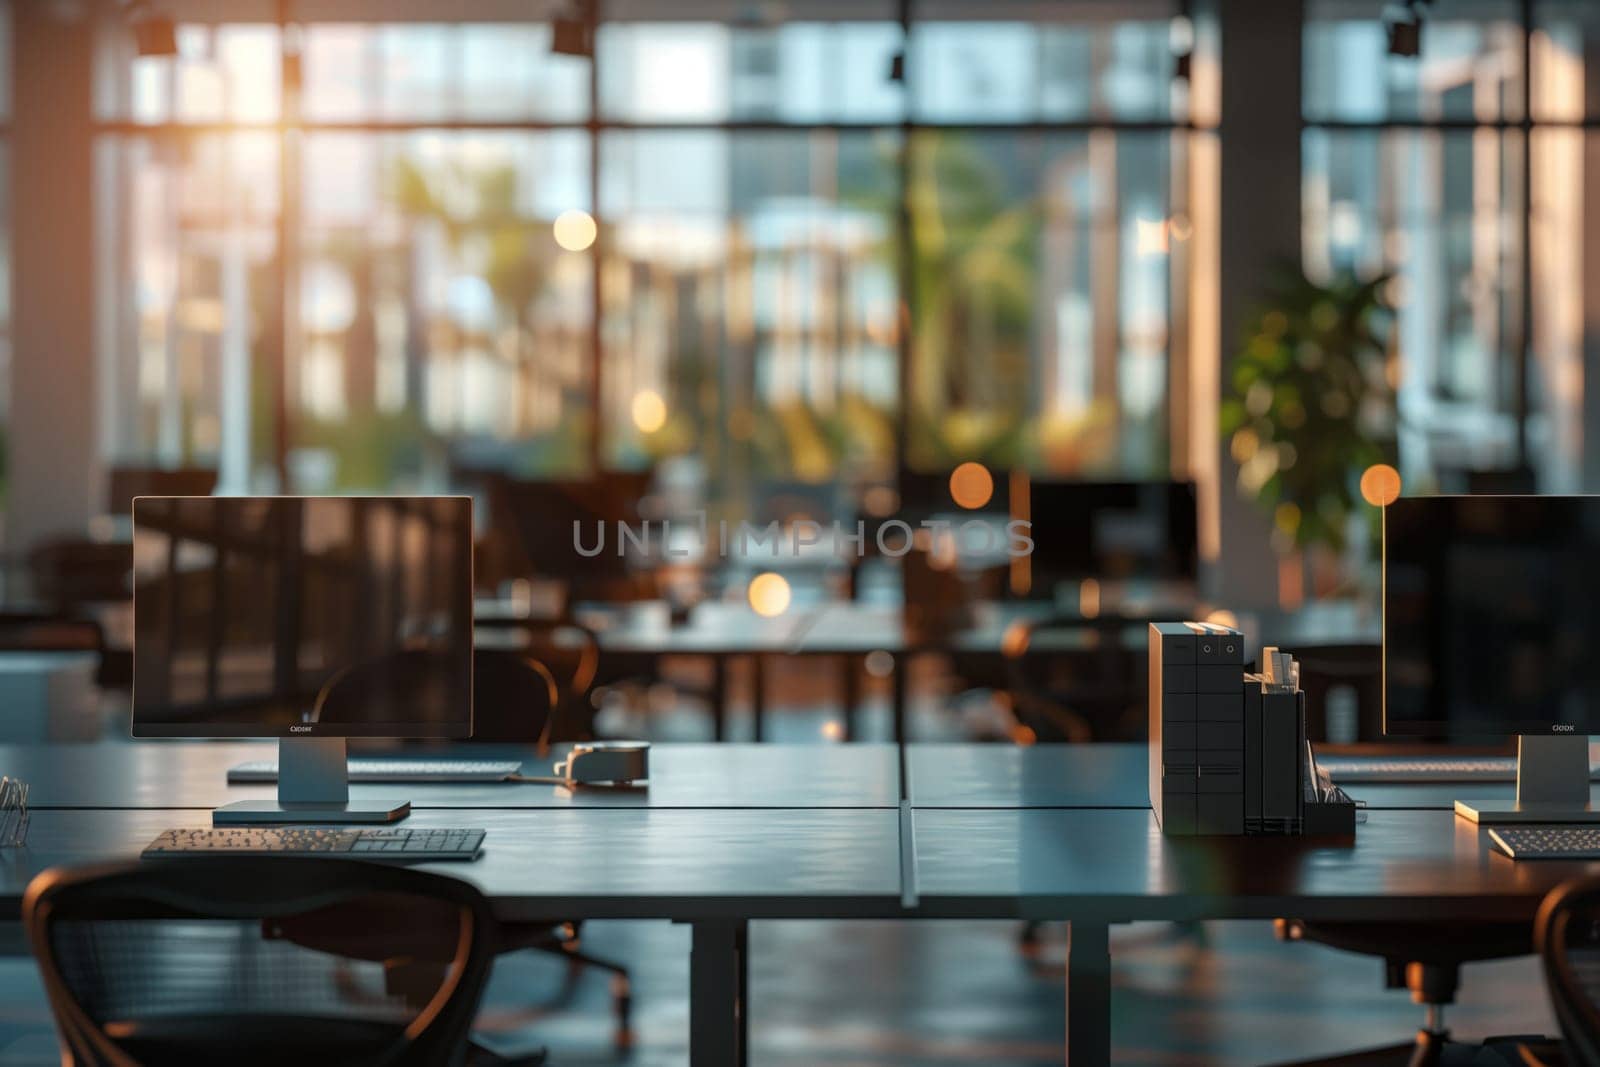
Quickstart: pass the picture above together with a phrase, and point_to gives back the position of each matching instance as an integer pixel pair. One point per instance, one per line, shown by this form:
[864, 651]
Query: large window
[363, 255]
[1421, 167]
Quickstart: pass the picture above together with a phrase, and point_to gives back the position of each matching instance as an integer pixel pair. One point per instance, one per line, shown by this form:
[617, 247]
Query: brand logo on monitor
[299, 729]
[1563, 728]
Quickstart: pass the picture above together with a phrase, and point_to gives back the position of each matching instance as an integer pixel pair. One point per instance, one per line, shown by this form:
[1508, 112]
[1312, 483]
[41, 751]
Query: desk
[1099, 867]
[715, 870]
[191, 774]
[733, 833]
[1067, 833]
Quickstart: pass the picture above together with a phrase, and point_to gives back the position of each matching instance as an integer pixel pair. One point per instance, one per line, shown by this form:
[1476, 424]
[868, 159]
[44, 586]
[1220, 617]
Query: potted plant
[1310, 407]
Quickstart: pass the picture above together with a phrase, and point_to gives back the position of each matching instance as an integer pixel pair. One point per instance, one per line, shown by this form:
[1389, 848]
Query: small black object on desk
[1228, 752]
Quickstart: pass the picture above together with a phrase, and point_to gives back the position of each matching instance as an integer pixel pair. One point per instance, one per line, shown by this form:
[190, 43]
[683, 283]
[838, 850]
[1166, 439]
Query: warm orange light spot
[1223, 617]
[971, 485]
[832, 731]
[1244, 444]
[1380, 485]
[575, 230]
[1023, 735]
[649, 411]
[769, 594]
[1089, 598]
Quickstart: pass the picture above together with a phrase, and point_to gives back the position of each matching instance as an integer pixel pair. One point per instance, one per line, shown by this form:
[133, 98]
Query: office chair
[1567, 939]
[1425, 958]
[568, 651]
[1566, 934]
[257, 961]
[1422, 957]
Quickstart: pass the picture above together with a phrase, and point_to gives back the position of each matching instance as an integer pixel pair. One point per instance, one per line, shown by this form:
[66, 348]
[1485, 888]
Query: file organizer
[1228, 751]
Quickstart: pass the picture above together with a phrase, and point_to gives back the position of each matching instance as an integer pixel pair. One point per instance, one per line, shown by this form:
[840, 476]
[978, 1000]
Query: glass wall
[1420, 167]
[795, 249]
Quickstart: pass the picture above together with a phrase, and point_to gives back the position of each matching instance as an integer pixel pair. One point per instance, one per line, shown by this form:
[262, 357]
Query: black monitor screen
[289, 616]
[1492, 616]
[1114, 530]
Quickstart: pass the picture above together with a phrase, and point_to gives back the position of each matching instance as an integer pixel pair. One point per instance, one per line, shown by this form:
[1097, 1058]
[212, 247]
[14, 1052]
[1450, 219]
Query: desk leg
[717, 978]
[1088, 994]
[758, 696]
[719, 698]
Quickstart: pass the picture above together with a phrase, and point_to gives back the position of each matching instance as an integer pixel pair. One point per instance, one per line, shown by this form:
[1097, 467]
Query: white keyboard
[1424, 769]
[364, 769]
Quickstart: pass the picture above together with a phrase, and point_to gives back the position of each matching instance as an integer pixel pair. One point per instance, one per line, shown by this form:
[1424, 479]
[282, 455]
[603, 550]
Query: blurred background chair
[255, 961]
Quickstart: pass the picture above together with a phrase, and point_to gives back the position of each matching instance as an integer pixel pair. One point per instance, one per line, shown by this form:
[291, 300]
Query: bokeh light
[649, 411]
[971, 485]
[769, 594]
[1380, 485]
[575, 230]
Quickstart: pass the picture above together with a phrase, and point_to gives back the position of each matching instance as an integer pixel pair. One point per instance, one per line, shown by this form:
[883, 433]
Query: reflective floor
[936, 994]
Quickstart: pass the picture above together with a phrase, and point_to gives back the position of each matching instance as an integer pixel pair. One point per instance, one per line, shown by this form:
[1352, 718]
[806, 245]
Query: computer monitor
[308, 619]
[1112, 530]
[1491, 625]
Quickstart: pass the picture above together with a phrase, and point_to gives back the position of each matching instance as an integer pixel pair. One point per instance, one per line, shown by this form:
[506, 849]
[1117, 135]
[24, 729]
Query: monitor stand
[1552, 785]
[313, 787]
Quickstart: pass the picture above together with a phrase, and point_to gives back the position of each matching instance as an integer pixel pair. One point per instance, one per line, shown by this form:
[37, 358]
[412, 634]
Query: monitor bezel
[1442, 728]
[450, 731]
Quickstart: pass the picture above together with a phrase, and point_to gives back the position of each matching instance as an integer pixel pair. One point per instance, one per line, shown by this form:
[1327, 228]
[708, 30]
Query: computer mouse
[606, 763]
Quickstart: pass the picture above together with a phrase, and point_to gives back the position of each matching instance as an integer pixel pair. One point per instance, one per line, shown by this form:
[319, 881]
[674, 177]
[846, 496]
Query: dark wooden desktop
[727, 834]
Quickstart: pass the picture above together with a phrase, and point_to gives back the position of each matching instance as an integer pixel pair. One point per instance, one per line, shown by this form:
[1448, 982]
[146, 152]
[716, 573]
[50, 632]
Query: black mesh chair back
[259, 960]
[515, 698]
[1566, 934]
[566, 657]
